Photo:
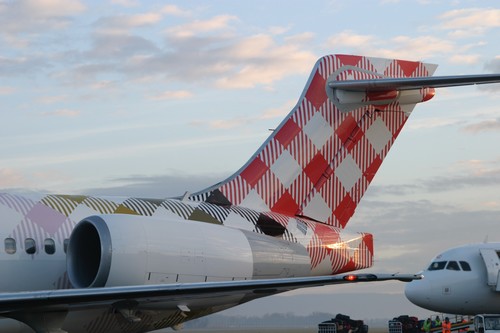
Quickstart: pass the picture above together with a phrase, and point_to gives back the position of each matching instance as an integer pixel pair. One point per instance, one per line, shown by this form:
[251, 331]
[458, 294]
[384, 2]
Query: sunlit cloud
[10, 178]
[278, 30]
[62, 113]
[172, 94]
[37, 16]
[51, 99]
[263, 62]
[123, 23]
[492, 204]
[399, 47]
[279, 112]
[126, 3]
[470, 22]
[465, 59]
[174, 11]
[483, 126]
[7, 90]
[198, 27]
[272, 113]
[349, 38]
[429, 123]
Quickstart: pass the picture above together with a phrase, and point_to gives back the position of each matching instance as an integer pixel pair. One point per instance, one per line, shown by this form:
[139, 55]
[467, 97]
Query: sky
[156, 98]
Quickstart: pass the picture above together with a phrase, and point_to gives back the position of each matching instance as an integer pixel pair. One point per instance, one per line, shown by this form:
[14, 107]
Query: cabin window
[10, 245]
[30, 246]
[437, 265]
[65, 245]
[465, 266]
[453, 266]
[49, 245]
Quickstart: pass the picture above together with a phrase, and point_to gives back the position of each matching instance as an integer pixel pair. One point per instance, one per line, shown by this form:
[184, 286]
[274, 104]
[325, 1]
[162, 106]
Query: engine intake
[89, 253]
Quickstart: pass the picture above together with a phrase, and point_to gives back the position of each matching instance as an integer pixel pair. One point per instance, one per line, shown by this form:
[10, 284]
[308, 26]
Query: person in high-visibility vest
[446, 325]
[426, 327]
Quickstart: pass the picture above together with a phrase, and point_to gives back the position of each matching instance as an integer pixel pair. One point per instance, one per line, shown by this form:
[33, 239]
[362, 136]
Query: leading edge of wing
[143, 294]
[408, 83]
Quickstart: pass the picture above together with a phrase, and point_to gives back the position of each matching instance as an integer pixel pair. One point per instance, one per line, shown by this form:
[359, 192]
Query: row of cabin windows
[49, 245]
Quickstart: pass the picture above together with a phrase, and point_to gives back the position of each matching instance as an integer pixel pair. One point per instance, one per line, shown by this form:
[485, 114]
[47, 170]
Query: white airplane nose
[417, 292]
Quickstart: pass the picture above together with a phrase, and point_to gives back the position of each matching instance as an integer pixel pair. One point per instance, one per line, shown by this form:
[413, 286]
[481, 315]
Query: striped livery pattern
[54, 216]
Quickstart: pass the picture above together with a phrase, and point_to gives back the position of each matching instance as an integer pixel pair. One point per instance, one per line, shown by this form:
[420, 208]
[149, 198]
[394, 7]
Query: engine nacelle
[120, 250]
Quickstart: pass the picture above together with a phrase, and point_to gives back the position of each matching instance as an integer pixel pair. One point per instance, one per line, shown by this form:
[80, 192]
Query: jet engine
[120, 250]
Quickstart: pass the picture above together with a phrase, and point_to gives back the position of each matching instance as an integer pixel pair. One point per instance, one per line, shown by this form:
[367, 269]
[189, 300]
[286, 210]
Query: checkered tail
[319, 161]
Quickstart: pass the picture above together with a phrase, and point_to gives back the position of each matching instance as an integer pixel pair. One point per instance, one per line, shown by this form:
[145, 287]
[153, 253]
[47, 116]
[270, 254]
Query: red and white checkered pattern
[320, 160]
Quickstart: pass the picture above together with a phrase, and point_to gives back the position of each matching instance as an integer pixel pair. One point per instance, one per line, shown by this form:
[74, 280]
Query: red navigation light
[351, 277]
[428, 94]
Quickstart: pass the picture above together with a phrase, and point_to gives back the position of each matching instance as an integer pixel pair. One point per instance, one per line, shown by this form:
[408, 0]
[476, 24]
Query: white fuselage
[462, 280]
[133, 242]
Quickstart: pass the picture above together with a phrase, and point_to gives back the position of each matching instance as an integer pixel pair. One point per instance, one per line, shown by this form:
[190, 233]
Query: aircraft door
[492, 262]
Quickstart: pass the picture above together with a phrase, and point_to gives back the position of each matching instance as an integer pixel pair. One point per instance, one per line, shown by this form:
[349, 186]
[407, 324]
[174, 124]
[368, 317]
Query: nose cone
[419, 293]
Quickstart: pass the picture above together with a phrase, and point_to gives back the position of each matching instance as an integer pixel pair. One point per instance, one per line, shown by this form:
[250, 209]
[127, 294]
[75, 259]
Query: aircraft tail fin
[319, 161]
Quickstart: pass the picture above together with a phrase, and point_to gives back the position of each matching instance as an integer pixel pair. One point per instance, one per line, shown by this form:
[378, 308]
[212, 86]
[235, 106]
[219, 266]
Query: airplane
[78, 263]
[463, 280]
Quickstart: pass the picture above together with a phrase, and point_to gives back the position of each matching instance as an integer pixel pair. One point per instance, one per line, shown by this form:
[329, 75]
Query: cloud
[196, 51]
[161, 186]
[126, 3]
[22, 65]
[470, 22]
[4, 90]
[477, 176]
[62, 113]
[279, 112]
[429, 123]
[483, 126]
[405, 47]
[465, 59]
[174, 10]
[111, 47]
[51, 99]
[172, 94]
[35, 16]
[123, 23]
[10, 178]
[493, 65]
[483, 178]
[349, 38]
[271, 113]
[474, 176]
[458, 23]
[199, 27]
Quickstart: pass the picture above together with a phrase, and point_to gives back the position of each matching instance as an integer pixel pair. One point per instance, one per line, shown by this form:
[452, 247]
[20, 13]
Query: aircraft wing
[409, 83]
[183, 296]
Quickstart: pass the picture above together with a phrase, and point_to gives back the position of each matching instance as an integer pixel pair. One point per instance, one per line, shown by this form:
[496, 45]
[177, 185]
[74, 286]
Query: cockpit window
[437, 265]
[453, 266]
[465, 266]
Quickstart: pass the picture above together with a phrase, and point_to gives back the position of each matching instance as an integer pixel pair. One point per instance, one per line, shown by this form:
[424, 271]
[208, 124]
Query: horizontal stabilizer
[408, 83]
